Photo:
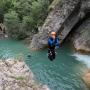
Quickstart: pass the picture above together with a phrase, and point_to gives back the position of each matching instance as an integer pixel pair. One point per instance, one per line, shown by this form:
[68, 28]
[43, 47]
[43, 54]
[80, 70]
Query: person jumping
[53, 42]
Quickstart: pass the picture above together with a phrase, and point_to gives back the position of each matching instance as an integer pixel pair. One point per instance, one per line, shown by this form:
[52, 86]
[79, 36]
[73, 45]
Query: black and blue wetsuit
[52, 43]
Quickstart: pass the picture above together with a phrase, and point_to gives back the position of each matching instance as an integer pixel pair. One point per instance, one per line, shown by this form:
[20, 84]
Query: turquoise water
[62, 74]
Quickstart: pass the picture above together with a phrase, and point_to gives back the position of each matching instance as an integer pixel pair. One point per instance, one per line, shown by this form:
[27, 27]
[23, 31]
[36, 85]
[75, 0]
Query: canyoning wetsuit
[52, 43]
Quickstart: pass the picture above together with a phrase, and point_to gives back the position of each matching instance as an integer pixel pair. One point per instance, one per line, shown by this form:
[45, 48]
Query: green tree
[13, 25]
[23, 17]
[39, 11]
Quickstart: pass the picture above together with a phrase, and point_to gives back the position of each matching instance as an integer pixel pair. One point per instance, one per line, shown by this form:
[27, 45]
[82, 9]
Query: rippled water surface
[64, 73]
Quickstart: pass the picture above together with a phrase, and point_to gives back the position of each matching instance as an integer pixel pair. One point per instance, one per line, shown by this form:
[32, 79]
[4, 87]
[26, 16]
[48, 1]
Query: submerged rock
[15, 75]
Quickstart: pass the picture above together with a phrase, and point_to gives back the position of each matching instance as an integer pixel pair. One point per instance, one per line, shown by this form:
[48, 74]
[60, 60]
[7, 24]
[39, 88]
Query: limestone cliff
[60, 18]
[81, 37]
[63, 17]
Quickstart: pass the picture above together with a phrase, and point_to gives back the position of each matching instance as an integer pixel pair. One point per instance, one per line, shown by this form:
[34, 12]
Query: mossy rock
[54, 4]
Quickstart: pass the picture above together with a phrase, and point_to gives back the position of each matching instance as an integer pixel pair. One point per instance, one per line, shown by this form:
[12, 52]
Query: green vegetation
[23, 17]
[18, 78]
[54, 4]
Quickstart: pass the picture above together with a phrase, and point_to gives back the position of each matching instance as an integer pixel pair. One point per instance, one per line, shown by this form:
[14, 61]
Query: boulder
[81, 37]
[15, 75]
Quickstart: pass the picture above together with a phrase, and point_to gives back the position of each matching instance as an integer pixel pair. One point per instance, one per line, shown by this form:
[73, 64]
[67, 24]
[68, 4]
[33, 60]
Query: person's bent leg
[50, 55]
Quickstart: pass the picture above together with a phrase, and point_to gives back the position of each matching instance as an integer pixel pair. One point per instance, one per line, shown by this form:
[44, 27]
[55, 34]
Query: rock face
[60, 19]
[2, 31]
[15, 75]
[81, 36]
[86, 79]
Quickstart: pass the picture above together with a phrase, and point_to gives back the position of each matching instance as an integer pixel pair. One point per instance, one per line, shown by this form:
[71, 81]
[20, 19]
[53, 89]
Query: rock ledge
[15, 75]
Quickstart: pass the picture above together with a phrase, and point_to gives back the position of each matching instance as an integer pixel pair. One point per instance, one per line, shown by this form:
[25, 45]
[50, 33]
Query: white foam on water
[83, 58]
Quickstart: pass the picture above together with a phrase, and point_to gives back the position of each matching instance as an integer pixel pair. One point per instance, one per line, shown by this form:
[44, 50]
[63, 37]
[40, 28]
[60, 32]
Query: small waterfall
[83, 58]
